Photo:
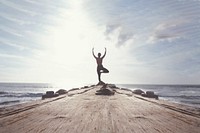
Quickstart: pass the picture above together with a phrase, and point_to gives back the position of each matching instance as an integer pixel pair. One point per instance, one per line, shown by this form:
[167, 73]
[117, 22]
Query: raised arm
[93, 53]
[104, 53]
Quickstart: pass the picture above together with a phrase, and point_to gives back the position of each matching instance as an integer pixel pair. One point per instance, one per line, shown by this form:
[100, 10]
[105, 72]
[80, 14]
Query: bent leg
[105, 70]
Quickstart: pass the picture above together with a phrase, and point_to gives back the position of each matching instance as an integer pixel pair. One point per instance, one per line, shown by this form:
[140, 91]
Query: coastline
[82, 111]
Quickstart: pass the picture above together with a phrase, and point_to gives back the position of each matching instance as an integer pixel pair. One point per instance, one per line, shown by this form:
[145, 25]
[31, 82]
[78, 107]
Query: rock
[49, 94]
[104, 86]
[73, 89]
[138, 91]
[112, 85]
[144, 94]
[117, 88]
[101, 83]
[92, 85]
[126, 89]
[86, 87]
[156, 97]
[149, 94]
[61, 92]
[105, 92]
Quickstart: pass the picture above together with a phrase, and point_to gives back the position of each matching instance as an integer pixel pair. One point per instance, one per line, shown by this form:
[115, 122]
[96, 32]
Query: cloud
[13, 44]
[13, 19]
[11, 56]
[162, 37]
[18, 7]
[10, 31]
[122, 35]
[168, 31]
[114, 17]
[111, 28]
[159, 21]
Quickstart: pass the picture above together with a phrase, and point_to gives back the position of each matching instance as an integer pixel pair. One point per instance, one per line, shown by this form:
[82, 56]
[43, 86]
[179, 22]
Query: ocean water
[184, 94]
[15, 93]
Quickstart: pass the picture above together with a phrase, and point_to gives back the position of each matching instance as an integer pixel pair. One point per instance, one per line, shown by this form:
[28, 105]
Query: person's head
[99, 54]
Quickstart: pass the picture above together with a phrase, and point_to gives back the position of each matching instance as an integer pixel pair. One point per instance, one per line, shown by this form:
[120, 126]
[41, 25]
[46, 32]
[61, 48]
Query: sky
[148, 42]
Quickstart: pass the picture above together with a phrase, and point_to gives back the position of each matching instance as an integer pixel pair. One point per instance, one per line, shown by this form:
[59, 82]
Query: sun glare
[68, 46]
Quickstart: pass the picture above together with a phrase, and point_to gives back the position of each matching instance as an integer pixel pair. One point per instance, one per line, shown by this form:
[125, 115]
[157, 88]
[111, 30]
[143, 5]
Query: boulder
[92, 85]
[73, 89]
[50, 94]
[149, 94]
[144, 94]
[61, 92]
[126, 89]
[101, 83]
[86, 87]
[112, 85]
[138, 91]
[117, 88]
[105, 92]
[104, 86]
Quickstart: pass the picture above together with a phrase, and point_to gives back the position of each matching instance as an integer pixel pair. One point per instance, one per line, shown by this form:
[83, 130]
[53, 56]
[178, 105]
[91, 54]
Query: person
[100, 68]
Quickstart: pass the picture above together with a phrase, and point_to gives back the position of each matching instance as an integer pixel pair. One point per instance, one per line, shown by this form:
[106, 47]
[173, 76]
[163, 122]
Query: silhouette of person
[99, 60]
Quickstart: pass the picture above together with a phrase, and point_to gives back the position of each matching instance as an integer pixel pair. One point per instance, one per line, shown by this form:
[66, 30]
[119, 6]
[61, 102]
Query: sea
[183, 94]
[17, 93]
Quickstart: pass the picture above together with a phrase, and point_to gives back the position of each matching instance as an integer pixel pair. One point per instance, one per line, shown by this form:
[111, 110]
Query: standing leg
[99, 74]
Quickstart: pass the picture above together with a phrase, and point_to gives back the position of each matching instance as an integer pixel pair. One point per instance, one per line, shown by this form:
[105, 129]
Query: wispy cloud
[168, 30]
[11, 56]
[17, 7]
[10, 31]
[159, 21]
[4, 41]
[14, 19]
[122, 35]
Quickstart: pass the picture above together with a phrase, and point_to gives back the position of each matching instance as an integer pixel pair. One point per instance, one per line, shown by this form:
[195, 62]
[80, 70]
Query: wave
[9, 102]
[3, 92]
[20, 95]
[26, 85]
[182, 96]
[196, 102]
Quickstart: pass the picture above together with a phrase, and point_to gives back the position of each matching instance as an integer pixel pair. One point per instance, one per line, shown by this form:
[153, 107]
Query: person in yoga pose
[99, 60]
